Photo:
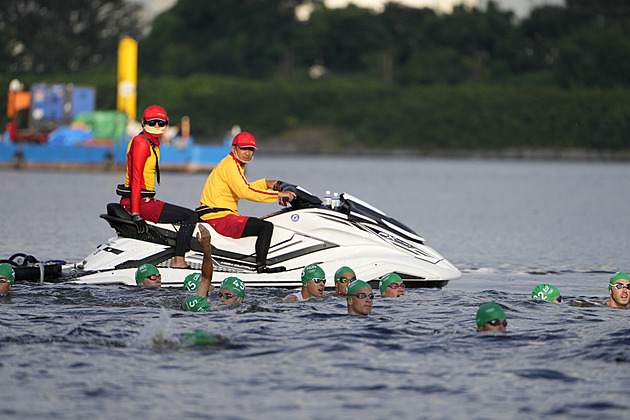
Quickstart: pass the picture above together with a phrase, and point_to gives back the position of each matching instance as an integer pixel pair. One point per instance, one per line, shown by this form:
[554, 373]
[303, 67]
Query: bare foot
[179, 262]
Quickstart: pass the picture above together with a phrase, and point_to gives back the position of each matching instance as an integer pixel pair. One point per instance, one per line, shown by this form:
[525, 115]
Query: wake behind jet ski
[354, 234]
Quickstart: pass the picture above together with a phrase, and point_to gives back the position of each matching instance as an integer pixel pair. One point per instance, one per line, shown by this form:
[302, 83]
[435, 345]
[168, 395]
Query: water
[72, 351]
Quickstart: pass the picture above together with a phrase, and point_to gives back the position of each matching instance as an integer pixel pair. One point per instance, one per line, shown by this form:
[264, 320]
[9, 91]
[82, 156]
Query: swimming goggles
[396, 285]
[227, 295]
[495, 322]
[620, 286]
[363, 295]
[154, 277]
[319, 281]
[160, 123]
[345, 280]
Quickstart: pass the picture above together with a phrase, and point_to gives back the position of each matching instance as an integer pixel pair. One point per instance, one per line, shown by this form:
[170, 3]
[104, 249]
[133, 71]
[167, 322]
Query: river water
[74, 351]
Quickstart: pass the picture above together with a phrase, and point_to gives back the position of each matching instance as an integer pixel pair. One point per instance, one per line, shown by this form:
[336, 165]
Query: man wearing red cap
[143, 163]
[226, 185]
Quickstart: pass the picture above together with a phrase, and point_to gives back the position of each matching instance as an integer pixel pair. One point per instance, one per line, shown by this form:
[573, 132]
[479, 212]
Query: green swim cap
[388, 279]
[144, 271]
[7, 271]
[234, 284]
[619, 275]
[312, 271]
[489, 311]
[343, 270]
[200, 338]
[354, 286]
[191, 282]
[196, 303]
[546, 292]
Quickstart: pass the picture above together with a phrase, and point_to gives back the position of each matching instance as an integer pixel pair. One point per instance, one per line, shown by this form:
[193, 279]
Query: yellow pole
[127, 77]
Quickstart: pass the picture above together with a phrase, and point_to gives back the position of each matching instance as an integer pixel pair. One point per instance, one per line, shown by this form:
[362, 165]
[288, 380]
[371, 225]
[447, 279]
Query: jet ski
[353, 234]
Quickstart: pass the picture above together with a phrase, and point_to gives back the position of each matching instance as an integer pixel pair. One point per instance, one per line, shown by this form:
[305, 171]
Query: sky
[520, 7]
[442, 5]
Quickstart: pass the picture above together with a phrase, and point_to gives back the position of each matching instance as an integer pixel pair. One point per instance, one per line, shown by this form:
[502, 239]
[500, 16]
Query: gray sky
[520, 7]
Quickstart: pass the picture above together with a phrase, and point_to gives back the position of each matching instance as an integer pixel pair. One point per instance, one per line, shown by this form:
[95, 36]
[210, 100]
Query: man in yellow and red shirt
[143, 163]
[226, 185]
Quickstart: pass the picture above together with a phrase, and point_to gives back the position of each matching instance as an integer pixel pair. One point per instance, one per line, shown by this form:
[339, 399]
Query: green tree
[594, 57]
[587, 43]
[341, 39]
[541, 30]
[485, 40]
[43, 36]
[246, 38]
[410, 28]
[603, 13]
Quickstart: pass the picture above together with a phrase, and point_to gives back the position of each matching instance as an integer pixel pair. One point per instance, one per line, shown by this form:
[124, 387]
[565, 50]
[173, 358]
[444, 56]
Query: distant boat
[55, 126]
[175, 156]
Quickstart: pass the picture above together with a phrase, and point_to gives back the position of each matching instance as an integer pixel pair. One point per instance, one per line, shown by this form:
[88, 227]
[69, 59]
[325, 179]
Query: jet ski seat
[120, 220]
[116, 210]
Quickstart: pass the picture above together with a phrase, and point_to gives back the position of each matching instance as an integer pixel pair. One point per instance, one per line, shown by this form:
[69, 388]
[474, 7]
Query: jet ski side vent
[155, 259]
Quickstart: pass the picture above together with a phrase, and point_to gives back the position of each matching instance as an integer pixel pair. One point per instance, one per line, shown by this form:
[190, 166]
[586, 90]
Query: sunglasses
[154, 277]
[396, 286]
[621, 286]
[363, 295]
[160, 123]
[495, 322]
[345, 280]
[317, 281]
[227, 295]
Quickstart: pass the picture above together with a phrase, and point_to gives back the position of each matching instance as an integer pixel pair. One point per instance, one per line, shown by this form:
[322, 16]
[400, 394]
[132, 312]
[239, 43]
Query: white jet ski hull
[355, 235]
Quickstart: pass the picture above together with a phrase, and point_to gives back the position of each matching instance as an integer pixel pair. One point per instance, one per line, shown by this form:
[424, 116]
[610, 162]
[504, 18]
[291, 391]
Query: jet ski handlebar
[302, 199]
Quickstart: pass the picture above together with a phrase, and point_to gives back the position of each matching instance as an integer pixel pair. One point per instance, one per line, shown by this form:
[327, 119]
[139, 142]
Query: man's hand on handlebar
[286, 196]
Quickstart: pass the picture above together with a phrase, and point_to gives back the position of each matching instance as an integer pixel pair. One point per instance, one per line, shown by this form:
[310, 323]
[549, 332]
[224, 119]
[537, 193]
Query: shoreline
[276, 149]
[531, 154]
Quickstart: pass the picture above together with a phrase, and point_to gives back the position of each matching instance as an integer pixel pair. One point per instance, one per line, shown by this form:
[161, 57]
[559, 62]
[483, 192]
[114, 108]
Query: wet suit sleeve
[139, 153]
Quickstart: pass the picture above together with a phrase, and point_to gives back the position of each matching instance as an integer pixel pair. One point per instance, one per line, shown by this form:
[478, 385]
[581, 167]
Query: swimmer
[343, 276]
[232, 290]
[360, 298]
[201, 338]
[196, 303]
[619, 290]
[490, 317]
[148, 275]
[199, 302]
[313, 283]
[7, 277]
[191, 282]
[547, 292]
[391, 285]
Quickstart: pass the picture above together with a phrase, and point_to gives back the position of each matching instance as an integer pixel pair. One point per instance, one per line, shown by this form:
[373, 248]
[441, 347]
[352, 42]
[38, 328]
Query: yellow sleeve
[256, 191]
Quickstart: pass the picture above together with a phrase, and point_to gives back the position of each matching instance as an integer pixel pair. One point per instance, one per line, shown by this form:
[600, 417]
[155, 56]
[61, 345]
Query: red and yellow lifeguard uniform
[143, 156]
[225, 185]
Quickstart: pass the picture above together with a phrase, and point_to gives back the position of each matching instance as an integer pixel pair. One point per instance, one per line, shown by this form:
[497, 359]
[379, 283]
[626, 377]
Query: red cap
[155, 112]
[244, 139]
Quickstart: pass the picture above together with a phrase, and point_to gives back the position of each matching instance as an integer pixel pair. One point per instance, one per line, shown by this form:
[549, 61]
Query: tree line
[584, 43]
[350, 77]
